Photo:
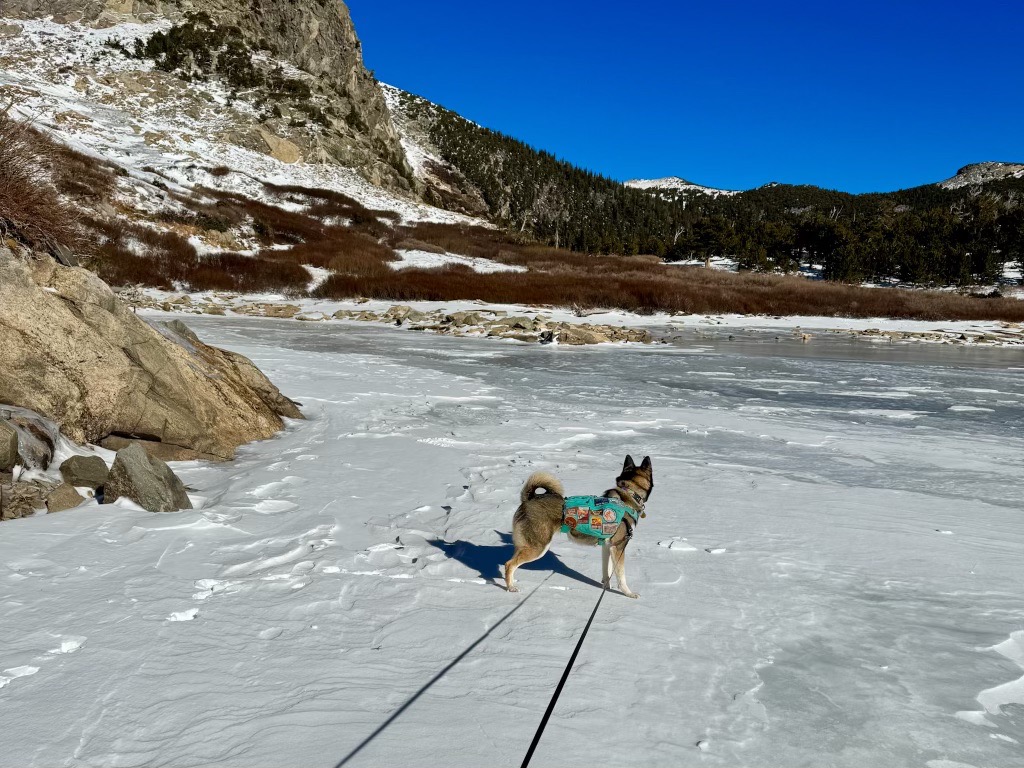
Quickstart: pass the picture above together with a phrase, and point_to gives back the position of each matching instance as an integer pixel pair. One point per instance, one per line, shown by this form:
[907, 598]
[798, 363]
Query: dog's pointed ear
[628, 465]
[646, 463]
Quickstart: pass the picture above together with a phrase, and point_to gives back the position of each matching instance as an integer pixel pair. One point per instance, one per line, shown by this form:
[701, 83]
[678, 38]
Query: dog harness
[596, 516]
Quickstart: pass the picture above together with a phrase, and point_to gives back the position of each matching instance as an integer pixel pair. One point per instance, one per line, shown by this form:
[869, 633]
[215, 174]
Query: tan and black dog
[539, 518]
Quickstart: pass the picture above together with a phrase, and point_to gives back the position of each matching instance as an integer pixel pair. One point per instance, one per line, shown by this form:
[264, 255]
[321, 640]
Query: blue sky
[864, 96]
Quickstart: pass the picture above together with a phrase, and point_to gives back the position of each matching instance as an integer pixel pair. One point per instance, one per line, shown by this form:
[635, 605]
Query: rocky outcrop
[71, 351]
[316, 36]
[147, 481]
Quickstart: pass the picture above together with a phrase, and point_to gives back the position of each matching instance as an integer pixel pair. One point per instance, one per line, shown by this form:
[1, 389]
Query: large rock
[63, 497]
[36, 436]
[280, 149]
[8, 446]
[147, 481]
[71, 351]
[575, 335]
[85, 472]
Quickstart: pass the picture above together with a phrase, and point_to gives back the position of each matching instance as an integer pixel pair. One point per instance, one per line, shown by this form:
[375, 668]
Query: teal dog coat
[596, 516]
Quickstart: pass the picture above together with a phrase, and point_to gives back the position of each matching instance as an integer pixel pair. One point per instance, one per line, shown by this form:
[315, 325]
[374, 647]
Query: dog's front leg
[606, 555]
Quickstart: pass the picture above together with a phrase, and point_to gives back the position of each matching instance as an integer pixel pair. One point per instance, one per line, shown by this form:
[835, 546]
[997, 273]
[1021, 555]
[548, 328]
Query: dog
[540, 516]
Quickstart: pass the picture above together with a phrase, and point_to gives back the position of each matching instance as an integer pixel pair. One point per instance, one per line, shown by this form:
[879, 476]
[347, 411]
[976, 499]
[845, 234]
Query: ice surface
[341, 580]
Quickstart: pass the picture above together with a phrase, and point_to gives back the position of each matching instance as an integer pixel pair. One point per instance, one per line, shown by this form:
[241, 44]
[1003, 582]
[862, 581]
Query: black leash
[561, 683]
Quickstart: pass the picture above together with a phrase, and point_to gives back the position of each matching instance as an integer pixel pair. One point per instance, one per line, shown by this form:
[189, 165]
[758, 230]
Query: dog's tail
[539, 480]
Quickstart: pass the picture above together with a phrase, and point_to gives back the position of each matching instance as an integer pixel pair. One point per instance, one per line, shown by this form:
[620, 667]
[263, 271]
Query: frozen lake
[830, 572]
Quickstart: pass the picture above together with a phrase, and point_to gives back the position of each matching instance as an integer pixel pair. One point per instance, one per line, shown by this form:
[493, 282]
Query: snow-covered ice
[823, 581]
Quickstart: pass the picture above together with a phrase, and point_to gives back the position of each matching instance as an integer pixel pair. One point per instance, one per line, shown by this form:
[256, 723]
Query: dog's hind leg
[606, 554]
[619, 564]
[522, 556]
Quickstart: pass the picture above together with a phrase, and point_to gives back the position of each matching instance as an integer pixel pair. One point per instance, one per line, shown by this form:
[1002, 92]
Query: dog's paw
[634, 595]
[513, 588]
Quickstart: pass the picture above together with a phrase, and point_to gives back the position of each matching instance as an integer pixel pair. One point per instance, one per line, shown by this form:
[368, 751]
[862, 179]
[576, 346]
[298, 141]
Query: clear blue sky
[859, 96]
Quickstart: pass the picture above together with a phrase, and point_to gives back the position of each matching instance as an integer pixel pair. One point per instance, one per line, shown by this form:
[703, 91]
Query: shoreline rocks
[498, 324]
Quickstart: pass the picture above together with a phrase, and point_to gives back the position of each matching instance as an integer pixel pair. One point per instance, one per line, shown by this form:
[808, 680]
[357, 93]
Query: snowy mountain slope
[66, 79]
[828, 571]
[443, 182]
[322, 87]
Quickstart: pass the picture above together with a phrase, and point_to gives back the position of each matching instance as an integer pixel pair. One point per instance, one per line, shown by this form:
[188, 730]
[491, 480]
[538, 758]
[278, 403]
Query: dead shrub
[126, 253]
[418, 245]
[31, 209]
[645, 287]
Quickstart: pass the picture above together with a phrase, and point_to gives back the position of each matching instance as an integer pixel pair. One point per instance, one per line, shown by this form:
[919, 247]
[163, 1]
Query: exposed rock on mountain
[316, 37]
[70, 350]
[982, 173]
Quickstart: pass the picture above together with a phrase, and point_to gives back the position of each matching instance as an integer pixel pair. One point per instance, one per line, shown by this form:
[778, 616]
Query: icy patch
[677, 544]
[1008, 694]
[886, 414]
[15, 672]
[69, 644]
[188, 615]
[994, 699]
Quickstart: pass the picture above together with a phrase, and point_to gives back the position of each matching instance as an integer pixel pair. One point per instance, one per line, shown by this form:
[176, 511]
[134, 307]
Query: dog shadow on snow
[489, 560]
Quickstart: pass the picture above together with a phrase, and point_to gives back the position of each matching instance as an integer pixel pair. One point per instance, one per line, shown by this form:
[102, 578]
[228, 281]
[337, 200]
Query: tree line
[926, 235]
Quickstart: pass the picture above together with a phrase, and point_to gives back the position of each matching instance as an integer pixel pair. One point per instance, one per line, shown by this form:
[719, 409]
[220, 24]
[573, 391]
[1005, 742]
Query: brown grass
[359, 253]
[684, 289]
[641, 284]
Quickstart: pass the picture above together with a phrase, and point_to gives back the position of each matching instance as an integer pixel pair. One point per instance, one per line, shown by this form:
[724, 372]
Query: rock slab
[147, 481]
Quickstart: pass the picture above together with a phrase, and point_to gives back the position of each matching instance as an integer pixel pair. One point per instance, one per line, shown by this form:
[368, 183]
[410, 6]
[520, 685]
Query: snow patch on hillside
[428, 260]
[676, 184]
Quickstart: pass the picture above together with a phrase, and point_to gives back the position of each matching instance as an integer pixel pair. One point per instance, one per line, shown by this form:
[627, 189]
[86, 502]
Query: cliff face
[316, 36]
